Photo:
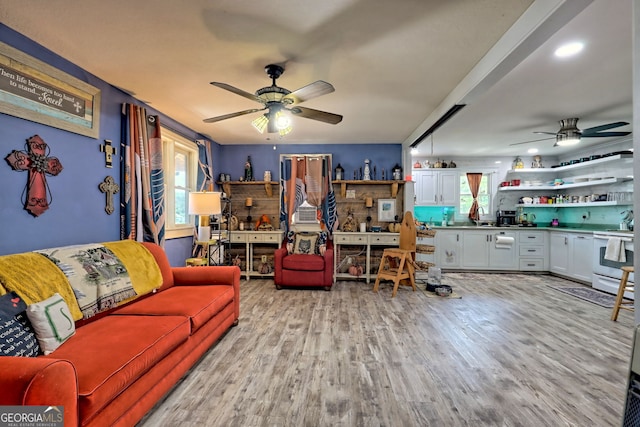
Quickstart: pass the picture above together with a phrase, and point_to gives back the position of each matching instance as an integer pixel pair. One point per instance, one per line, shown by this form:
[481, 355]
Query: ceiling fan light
[565, 141]
[260, 123]
[283, 120]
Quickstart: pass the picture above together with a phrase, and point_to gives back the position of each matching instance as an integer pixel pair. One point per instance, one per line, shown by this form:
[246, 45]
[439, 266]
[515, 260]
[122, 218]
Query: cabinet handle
[531, 250]
[579, 237]
[457, 237]
[566, 240]
[531, 265]
[531, 237]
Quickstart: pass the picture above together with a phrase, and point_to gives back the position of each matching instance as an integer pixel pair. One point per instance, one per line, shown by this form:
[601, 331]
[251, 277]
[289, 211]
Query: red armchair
[303, 270]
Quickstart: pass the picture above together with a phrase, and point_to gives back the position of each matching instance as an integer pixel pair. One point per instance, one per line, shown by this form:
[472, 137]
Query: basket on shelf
[426, 233]
[423, 265]
[425, 249]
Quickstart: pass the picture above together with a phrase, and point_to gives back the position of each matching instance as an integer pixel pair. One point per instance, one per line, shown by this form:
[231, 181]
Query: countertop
[567, 228]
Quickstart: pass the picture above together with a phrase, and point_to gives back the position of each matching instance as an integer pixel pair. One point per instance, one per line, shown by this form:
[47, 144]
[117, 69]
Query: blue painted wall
[349, 156]
[77, 211]
[76, 214]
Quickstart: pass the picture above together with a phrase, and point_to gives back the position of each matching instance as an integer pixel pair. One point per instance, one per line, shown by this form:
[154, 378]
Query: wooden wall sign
[33, 90]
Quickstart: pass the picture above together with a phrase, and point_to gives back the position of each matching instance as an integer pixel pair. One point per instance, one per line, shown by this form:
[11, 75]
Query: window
[181, 171]
[484, 195]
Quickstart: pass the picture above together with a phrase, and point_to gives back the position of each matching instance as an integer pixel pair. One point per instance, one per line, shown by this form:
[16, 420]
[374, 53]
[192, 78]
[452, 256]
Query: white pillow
[52, 322]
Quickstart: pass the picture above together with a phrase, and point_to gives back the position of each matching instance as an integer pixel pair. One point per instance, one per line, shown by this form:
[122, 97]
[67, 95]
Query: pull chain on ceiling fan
[280, 103]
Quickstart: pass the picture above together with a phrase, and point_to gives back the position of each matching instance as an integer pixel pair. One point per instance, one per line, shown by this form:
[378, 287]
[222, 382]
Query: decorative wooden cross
[108, 151]
[36, 160]
[109, 187]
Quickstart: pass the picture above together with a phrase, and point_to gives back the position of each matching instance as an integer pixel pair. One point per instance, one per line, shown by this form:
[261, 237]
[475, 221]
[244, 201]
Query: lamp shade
[205, 203]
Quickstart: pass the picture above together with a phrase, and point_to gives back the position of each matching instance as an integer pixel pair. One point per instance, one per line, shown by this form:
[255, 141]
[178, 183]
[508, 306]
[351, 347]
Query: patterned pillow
[17, 336]
[305, 243]
[52, 321]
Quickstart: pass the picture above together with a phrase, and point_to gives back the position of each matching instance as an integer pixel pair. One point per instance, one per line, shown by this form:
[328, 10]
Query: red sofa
[121, 362]
[303, 270]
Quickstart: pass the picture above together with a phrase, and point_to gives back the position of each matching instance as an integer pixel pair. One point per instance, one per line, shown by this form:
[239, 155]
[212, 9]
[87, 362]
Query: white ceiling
[397, 65]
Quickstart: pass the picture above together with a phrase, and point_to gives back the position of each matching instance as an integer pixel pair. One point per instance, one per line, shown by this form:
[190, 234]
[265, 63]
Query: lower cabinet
[570, 255]
[490, 250]
[532, 251]
[449, 248]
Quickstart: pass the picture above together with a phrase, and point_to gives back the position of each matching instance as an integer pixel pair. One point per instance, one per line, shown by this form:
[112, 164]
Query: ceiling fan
[569, 134]
[279, 103]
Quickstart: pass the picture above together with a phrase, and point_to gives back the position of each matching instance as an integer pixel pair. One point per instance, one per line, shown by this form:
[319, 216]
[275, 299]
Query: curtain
[205, 161]
[474, 180]
[142, 203]
[307, 177]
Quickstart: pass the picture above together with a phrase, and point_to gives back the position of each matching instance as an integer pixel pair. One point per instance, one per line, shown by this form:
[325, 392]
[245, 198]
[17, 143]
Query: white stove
[606, 272]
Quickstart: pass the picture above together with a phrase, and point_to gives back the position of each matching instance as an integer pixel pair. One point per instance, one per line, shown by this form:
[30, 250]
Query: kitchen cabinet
[482, 250]
[570, 255]
[532, 251]
[365, 242]
[436, 188]
[449, 248]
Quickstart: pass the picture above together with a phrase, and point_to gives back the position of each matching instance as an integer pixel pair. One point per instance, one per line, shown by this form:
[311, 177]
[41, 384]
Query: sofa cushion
[17, 337]
[302, 262]
[115, 351]
[198, 303]
[52, 322]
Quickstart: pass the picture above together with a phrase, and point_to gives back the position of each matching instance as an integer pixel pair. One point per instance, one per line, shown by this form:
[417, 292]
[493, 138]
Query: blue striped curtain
[142, 202]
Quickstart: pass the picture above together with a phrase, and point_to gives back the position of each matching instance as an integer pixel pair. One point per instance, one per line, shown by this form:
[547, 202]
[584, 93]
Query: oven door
[607, 273]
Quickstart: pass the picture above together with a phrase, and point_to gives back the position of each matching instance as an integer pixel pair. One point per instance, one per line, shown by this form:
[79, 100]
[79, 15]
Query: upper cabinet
[436, 187]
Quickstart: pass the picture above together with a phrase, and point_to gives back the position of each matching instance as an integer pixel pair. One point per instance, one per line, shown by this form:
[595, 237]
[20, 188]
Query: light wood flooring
[511, 352]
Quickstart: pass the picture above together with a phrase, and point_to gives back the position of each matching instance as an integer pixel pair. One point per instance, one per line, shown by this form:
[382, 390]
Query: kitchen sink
[620, 231]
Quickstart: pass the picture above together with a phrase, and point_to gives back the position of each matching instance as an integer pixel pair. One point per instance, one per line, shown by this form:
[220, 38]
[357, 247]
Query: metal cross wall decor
[35, 159]
[109, 187]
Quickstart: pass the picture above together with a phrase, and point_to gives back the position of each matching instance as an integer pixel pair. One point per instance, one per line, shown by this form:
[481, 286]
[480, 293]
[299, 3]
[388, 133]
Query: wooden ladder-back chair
[397, 264]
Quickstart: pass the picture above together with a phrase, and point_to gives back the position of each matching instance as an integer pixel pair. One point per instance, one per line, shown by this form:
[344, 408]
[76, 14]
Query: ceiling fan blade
[237, 91]
[310, 91]
[534, 140]
[595, 129]
[232, 115]
[321, 116]
[545, 133]
[605, 134]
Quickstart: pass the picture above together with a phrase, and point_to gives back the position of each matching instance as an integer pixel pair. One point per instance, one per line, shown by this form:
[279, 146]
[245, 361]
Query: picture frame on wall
[35, 91]
[386, 210]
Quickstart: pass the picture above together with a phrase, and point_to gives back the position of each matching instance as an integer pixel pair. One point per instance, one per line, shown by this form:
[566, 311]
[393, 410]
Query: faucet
[477, 218]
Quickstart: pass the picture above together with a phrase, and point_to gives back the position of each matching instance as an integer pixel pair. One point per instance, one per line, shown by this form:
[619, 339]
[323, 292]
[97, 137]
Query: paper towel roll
[505, 240]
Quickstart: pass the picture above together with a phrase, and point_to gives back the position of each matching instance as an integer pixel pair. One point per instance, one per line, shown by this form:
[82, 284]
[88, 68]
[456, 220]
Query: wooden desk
[366, 240]
[252, 238]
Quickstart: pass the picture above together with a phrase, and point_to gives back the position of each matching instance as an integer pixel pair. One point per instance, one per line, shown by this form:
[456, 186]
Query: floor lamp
[204, 204]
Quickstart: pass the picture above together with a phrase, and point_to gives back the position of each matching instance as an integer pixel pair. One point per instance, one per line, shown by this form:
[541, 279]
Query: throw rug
[594, 296]
[97, 276]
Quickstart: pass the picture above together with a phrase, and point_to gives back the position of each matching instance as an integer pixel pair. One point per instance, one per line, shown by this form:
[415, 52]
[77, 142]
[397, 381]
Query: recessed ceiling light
[414, 150]
[569, 49]
[532, 150]
[498, 162]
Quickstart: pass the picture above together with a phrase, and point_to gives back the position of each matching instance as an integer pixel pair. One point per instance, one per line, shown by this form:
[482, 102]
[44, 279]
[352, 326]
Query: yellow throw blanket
[35, 278]
[140, 263]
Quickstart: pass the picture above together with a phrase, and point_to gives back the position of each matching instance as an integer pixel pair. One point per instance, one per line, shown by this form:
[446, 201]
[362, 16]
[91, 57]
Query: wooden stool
[195, 262]
[404, 270]
[620, 302]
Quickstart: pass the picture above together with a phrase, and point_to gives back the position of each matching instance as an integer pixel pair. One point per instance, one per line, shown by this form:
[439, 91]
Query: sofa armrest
[41, 381]
[210, 275]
